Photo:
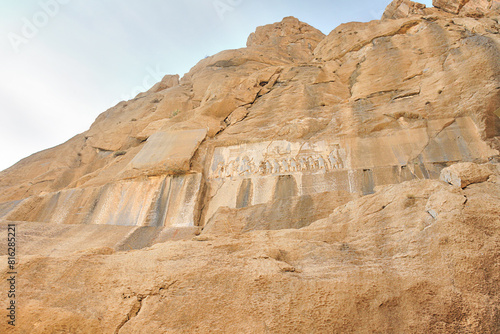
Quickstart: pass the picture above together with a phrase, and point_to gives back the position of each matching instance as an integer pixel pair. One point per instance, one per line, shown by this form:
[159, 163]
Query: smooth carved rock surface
[351, 165]
[151, 221]
[161, 201]
[167, 152]
[285, 212]
[379, 263]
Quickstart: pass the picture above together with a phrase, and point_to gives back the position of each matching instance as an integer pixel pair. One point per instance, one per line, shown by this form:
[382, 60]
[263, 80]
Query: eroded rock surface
[474, 8]
[334, 145]
[379, 263]
[463, 174]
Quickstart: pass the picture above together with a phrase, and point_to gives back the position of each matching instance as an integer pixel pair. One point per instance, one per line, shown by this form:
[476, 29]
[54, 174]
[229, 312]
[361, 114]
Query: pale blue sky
[63, 62]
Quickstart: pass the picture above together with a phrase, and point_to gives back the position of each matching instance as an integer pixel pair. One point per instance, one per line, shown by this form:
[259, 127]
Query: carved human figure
[262, 167]
[333, 159]
[303, 164]
[253, 167]
[340, 162]
[336, 160]
[321, 163]
[245, 168]
[284, 166]
[269, 168]
[219, 171]
[276, 166]
[232, 168]
[293, 165]
[310, 163]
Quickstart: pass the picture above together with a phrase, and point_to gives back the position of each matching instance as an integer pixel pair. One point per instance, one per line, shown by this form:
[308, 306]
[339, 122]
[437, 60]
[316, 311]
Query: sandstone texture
[477, 8]
[307, 183]
[465, 173]
[381, 263]
[403, 8]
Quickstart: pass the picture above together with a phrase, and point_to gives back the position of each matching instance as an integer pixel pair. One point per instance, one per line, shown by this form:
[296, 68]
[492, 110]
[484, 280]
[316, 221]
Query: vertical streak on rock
[368, 184]
[158, 210]
[245, 194]
[286, 186]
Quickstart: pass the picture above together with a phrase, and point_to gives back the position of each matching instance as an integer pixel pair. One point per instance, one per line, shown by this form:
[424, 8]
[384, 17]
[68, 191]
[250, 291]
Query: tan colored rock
[282, 213]
[404, 8]
[380, 263]
[154, 201]
[451, 6]
[49, 240]
[297, 37]
[475, 8]
[168, 81]
[353, 36]
[166, 153]
[445, 202]
[466, 173]
[333, 145]
[399, 72]
[389, 99]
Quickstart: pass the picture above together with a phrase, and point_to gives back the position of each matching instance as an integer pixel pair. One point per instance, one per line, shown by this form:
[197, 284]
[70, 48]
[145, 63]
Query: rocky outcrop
[286, 33]
[379, 263]
[474, 8]
[404, 8]
[304, 171]
[466, 173]
[370, 104]
[367, 80]
[471, 8]
[156, 201]
[445, 8]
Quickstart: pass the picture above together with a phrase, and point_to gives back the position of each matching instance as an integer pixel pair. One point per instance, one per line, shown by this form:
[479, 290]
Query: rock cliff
[306, 183]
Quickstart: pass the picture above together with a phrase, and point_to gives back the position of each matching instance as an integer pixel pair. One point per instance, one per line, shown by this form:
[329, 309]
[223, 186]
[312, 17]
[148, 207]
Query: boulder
[466, 173]
[398, 9]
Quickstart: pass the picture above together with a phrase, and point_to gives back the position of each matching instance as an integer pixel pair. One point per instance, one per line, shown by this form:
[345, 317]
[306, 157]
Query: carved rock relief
[275, 158]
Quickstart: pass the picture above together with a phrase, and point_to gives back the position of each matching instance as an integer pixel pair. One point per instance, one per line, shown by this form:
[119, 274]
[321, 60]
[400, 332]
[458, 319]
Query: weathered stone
[475, 8]
[92, 239]
[160, 201]
[282, 213]
[404, 8]
[333, 145]
[166, 153]
[167, 82]
[465, 173]
[298, 38]
[350, 165]
[452, 6]
[390, 266]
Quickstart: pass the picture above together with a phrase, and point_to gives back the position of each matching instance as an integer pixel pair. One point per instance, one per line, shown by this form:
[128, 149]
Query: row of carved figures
[247, 166]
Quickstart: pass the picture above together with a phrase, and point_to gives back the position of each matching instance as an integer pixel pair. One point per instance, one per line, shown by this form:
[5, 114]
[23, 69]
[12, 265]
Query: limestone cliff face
[470, 8]
[342, 137]
[370, 104]
[416, 257]
[473, 8]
